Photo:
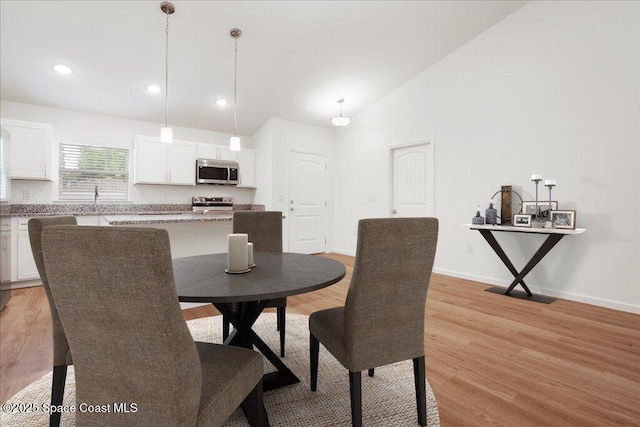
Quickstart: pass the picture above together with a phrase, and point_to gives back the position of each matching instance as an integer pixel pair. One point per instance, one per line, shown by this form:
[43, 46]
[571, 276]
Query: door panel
[307, 204]
[413, 181]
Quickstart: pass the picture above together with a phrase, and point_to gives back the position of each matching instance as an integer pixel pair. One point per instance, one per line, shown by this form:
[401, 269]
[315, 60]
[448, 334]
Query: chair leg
[256, 413]
[314, 346]
[421, 392]
[355, 388]
[281, 327]
[225, 327]
[57, 392]
[371, 371]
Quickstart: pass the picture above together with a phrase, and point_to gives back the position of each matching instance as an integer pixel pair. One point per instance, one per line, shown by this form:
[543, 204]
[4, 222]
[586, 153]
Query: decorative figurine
[478, 219]
[491, 214]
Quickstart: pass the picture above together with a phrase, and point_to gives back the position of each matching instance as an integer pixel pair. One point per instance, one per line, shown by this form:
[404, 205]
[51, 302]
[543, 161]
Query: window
[83, 167]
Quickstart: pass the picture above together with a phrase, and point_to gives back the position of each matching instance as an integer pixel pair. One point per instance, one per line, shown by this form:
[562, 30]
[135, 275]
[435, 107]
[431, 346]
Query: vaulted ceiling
[295, 58]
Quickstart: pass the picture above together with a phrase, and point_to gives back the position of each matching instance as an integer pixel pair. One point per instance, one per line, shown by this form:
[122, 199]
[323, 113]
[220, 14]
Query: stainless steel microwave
[216, 172]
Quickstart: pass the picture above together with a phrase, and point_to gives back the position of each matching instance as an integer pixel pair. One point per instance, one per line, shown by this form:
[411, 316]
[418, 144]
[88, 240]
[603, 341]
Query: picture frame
[529, 207]
[522, 220]
[564, 219]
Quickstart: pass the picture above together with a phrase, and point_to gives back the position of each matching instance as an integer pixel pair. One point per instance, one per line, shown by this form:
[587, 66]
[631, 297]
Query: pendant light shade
[166, 133]
[340, 120]
[234, 142]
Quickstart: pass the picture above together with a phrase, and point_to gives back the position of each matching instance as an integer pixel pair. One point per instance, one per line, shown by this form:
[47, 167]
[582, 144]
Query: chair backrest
[385, 307]
[264, 229]
[61, 354]
[116, 297]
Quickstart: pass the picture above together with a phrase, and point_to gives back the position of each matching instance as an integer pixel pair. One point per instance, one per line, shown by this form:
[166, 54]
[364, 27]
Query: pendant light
[166, 133]
[340, 120]
[234, 142]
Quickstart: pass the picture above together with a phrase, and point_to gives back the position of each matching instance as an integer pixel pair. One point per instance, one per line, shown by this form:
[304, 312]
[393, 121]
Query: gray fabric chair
[382, 321]
[265, 232]
[115, 294]
[61, 354]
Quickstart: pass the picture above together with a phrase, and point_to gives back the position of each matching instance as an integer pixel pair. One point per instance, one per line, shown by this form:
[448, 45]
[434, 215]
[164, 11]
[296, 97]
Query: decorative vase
[478, 219]
[491, 214]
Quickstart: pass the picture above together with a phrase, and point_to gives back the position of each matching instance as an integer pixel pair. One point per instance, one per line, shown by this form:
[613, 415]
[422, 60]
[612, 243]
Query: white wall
[72, 126]
[552, 89]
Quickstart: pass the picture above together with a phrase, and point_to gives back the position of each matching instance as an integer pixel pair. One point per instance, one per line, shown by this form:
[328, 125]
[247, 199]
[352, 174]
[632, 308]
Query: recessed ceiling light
[63, 69]
[154, 88]
[221, 102]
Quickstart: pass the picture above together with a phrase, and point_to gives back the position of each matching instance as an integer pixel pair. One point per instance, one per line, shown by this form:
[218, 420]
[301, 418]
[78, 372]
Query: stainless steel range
[211, 205]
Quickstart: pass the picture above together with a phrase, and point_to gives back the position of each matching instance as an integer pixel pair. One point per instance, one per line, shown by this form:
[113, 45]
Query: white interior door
[412, 175]
[307, 203]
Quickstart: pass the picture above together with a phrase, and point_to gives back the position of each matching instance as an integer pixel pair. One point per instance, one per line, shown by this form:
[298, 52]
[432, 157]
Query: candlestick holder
[536, 179]
[550, 183]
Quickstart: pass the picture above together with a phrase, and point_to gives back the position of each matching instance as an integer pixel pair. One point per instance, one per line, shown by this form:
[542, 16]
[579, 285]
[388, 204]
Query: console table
[554, 235]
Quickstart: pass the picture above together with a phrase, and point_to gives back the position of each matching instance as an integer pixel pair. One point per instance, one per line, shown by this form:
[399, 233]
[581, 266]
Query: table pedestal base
[242, 316]
[521, 295]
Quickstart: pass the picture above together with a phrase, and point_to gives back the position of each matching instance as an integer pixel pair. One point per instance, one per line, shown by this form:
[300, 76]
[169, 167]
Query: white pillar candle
[536, 177]
[549, 182]
[250, 253]
[238, 258]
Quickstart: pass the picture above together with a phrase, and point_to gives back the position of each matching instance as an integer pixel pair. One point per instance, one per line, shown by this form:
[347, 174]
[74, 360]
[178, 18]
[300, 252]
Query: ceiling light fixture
[63, 69]
[221, 102]
[154, 88]
[234, 142]
[340, 120]
[166, 133]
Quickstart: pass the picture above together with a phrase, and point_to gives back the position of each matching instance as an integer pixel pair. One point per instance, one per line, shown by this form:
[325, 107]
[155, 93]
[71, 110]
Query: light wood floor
[491, 360]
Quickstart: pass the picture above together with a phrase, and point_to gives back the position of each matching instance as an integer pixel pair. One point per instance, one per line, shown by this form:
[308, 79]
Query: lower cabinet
[26, 266]
[23, 266]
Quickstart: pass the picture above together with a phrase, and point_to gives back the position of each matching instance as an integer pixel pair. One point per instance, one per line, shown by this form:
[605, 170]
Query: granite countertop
[180, 212]
[172, 218]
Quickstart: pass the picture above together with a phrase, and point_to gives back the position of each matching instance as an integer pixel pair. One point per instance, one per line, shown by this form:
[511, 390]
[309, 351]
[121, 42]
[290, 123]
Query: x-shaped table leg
[548, 244]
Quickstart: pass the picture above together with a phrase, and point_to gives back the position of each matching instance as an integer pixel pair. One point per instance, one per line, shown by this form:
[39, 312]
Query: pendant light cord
[166, 72]
[235, 90]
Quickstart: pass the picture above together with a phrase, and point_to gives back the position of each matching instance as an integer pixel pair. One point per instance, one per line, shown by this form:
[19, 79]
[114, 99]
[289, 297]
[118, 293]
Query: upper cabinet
[31, 145]
[215, 152]
[167, 164]
[247, 166]
[246, 159]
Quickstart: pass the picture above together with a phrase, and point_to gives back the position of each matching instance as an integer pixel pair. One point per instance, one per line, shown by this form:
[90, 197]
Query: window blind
[82, 167]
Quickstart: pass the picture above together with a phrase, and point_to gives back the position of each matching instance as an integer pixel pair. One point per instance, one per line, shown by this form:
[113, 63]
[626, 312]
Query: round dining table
[242, 297]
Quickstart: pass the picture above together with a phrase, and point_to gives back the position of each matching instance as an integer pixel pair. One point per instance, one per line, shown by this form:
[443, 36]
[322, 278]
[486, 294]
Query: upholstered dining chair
[115, 294]
[382, 321]
[265, 232]
[61, 354]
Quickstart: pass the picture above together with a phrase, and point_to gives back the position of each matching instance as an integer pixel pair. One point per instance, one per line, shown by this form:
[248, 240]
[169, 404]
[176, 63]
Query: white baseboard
[601, 302]
[188, 305]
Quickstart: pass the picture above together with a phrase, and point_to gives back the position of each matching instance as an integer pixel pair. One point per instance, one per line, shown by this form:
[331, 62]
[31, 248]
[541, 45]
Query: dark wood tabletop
[203, 279]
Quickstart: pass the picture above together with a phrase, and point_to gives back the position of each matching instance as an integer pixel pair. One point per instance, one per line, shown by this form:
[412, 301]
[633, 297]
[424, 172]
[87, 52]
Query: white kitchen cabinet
[26, 266]
[159, 163]
[208, 151]
[23, 266]
[5, 258]
[247, 166]
[88, 220]
[31, 145]
[216, 152]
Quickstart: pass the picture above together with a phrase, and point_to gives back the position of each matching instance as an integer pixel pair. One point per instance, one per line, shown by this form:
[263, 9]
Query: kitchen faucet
[95, 199]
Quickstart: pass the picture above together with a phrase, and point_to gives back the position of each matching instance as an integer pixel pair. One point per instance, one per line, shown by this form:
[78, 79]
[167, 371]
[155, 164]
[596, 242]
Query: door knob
[394, 211]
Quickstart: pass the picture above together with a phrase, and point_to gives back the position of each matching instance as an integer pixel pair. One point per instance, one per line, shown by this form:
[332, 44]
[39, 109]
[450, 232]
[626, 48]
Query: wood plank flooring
[491, 360]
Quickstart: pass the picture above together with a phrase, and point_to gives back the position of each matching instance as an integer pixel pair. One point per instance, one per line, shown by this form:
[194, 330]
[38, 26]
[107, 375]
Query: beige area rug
[388, 399]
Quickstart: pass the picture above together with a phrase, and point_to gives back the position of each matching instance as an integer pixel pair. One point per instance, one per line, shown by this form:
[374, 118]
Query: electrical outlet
[469, 247]
[26, 194]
